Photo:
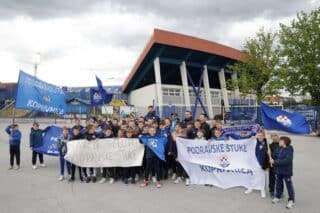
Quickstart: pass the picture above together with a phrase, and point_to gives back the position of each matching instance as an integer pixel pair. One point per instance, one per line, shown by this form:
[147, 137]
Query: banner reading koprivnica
[113, 152]
[34, 94]
[224, 164]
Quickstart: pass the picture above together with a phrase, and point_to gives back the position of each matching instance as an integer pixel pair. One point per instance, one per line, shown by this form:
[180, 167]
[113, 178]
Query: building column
[157, 74]
[234, 77]
[224, 91]
[185, 86]
[207, 91]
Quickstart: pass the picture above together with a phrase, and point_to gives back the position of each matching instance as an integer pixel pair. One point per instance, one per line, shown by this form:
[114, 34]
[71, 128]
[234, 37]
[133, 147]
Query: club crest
[224, 161]
[153, 144]
[284, 120]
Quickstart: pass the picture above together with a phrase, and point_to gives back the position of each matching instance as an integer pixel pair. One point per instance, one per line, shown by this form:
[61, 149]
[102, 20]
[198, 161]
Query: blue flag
[34, 94]
[156, 144]
[50, 141]
[274, 118]
[99, 96]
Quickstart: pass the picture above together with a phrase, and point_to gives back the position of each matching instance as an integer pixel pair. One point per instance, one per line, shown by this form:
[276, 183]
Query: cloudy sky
[78, 39]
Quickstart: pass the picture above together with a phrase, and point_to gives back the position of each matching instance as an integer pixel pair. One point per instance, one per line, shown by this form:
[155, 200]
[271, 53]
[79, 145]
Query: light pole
[36, 59]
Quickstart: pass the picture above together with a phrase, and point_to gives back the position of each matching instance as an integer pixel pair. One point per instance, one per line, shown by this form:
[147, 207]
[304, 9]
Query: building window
[171, 92]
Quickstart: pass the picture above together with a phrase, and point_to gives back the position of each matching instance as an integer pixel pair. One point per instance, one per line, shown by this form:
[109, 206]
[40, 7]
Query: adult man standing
[187, 118]
[205, 126]
[151, 114]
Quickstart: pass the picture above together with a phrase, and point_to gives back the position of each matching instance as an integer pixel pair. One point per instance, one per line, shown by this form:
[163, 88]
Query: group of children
[276, 157]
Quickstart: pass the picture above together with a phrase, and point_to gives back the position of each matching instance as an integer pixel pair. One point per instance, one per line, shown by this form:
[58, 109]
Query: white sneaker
[111, 181]
[290, 204]
[187, 181]
[61, 178]
[174, 176]
[136, 178]
[154, 179]
[34, 167]
[103, 180]
[177, 180]
[17, 168]
[263, 194]
[248, 191]
[275, 200]
[43, 165]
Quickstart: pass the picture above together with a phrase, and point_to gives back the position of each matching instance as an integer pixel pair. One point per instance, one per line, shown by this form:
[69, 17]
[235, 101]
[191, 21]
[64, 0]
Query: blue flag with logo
[99, 96]
[274, 118]
[34, 94]
[50, 141]
[156, 144]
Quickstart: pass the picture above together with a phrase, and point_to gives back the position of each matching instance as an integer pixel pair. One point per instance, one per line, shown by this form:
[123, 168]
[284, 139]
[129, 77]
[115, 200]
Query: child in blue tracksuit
[14, 141]
[36, 140]
[62, 147]
[283, 164]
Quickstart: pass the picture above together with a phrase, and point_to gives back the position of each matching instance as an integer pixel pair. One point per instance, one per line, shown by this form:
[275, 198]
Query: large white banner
[224, 164]
[122, 152]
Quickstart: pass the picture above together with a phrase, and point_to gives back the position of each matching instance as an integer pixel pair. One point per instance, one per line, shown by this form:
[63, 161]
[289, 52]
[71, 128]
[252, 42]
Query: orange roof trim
[184, 41]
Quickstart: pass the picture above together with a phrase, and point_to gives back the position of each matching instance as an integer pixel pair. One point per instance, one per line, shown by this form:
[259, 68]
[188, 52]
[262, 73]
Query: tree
[257, 73]
[300, 51]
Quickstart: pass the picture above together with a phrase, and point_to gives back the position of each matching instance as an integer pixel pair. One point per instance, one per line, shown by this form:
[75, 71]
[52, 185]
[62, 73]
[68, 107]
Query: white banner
[113, 152]
[224, 164]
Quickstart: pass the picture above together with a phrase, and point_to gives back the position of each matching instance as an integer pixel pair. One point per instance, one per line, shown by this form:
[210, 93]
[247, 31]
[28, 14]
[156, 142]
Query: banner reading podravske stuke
[224, 164]
[113, 152]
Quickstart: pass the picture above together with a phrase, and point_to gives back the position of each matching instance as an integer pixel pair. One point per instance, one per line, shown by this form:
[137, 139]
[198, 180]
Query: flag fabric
[99, 96]
[34, 94]
[50, 141]
[274, 118]
[156, 144]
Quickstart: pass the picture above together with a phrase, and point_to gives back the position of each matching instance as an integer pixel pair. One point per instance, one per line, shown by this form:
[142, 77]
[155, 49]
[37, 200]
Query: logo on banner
[47, 98]
[284, 120]
[224, 161]
[97, 97]
[153, 144]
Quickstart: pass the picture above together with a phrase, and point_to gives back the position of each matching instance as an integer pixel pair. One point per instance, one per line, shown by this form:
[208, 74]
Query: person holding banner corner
[36, 140]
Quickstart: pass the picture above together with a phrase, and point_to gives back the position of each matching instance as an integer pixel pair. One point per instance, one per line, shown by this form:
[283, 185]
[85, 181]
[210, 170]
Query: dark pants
[181, 172]
[272, 181]
[279, 186]
[73, 171]
[34, 157]
[152, 164]
[92, 172]
[14, 152]
[129, 172]
[111, 172]
[63, 162]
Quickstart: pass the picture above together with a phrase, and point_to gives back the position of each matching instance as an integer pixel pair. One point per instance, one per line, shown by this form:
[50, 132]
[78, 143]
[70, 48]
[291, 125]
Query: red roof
[184, 41]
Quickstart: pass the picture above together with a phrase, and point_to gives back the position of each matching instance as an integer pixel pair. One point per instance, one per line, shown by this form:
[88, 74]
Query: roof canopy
[173, 49]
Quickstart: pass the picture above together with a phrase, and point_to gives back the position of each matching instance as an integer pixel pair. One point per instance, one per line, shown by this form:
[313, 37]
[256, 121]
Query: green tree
[300, 53]
[257, 73]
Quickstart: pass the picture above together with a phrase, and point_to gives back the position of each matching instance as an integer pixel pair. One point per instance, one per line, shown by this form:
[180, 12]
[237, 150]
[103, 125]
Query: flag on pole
[273, 118]
[34, 94]
[99, 96]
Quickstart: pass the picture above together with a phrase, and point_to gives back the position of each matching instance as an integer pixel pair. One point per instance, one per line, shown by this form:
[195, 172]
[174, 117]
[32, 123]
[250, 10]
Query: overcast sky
[78, 39]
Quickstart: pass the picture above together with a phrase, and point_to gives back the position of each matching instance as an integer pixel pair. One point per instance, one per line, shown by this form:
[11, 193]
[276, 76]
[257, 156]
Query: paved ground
[38, 190]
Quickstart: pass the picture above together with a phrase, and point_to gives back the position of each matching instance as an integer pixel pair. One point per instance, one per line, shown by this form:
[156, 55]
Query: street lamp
[36, 62]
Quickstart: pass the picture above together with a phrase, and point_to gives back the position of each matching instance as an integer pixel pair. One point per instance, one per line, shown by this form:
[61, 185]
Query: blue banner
[50, 141]
[239, 129]
[156, 144]
[274, 118]
[34, 94]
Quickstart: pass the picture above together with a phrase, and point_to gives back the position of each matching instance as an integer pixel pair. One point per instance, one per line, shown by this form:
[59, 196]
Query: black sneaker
[81, 179]
[94, 179]
[88, 179]
[71, 179]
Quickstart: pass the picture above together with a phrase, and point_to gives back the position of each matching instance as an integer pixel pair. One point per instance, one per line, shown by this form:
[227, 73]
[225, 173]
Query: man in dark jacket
[76, 135]
[36, 140]
[187, 118]
[205, 126]
[151, 115]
